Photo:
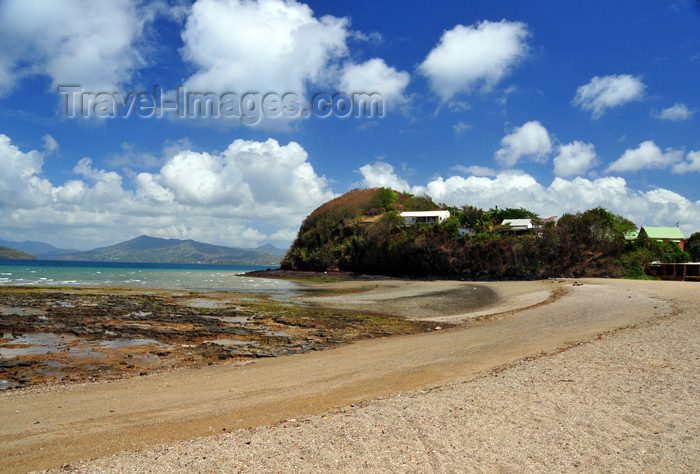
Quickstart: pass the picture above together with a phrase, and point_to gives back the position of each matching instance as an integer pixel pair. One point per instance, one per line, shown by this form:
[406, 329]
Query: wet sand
[55, 425]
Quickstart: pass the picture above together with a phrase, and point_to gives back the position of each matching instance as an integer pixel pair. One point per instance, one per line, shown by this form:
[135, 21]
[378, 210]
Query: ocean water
[139, 275]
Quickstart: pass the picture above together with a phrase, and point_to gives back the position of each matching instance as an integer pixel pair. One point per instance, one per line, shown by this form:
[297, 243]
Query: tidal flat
[64, 335]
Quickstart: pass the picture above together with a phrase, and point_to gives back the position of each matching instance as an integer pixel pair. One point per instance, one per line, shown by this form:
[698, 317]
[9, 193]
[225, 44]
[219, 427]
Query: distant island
[12, 254]
[145, 249]
[38, 249]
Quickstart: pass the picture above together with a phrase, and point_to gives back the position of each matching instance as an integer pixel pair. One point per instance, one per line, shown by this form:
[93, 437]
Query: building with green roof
[665, 234]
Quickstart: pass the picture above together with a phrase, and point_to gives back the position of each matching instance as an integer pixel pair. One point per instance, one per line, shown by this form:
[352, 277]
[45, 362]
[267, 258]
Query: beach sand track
[97, 419]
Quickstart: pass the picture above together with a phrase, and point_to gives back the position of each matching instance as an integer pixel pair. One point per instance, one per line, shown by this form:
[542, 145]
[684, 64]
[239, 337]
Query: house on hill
[519, 225]
[631, 234]
[424, 217]
[665, 234]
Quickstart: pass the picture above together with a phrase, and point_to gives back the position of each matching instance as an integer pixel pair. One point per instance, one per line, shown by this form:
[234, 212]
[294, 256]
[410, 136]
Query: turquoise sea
[138, 275]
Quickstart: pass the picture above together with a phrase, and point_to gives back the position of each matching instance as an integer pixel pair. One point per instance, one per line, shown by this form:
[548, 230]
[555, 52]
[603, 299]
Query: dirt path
[52, 426]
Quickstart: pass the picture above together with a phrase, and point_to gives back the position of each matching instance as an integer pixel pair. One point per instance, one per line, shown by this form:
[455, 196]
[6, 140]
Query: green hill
[362, 231]
[12, 254]
[147, 249]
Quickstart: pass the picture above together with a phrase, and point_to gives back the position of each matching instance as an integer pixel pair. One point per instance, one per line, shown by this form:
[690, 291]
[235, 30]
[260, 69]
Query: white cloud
[261, 180]
[478, 55]
[510, 188]
[507, 186]
[236, 197]
[268, 46]
[20, 183]
[529, 141]
[461, 127]
[475, 170]
[646, 156]
[84, 167]
[375, 76]
[374, 37]
[130, 156]
[691, 163]
[575, 158]
[607, 92]
[382, 175]
[50, 144]
[285, 235]
[72, 192]
[96, 45]
[512, 89]
[677, 112]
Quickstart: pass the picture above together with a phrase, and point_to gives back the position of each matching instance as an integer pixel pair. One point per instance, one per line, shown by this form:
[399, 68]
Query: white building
[424, 217]
[519, 225]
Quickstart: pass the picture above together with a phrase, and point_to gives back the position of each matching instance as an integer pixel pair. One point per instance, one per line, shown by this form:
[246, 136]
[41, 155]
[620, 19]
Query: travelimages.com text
[249, 108]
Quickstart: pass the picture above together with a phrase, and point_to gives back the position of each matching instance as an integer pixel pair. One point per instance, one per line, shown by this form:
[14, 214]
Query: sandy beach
[548, 377]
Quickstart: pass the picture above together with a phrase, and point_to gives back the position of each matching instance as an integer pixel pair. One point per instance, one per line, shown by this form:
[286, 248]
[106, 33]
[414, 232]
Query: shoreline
[550, 412]
[69, 335]
[369, 371]
[58, 335]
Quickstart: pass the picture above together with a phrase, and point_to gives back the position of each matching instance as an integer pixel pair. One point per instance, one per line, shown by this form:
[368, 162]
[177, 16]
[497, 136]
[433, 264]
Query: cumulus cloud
[21, 185]
[269, 46]
[382, 175]
[84, 167]
[607, 92]
[265, 179]
[479, 55]
[375, 76]
[106, 188]
[528, 141]
[510, 188]
[690, 164]
[646, 156]
[94, 44]
[575, 158]
[247, 194]
[677, 112]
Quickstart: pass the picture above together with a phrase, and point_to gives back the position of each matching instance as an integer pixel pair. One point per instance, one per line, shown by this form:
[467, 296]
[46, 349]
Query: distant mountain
[40, 249]
[12, 254]
[272, 250]
[147, 249]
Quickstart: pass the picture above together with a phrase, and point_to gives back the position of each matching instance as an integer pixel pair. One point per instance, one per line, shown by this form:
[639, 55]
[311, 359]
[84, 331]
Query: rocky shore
[49, 336]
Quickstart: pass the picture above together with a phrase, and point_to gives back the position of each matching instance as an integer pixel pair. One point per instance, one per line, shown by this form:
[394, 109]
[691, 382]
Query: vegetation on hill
[362, 231]
[693, 247]
[12, 254]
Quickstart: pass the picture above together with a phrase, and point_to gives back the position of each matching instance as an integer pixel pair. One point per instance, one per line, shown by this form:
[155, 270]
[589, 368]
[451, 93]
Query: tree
[510, 213]
[471, 216]
[592, 239]
[384, 199]
[693, 247]
[420, 203]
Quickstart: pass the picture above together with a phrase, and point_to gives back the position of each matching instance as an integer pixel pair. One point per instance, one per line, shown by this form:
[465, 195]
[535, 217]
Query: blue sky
[552, 106]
